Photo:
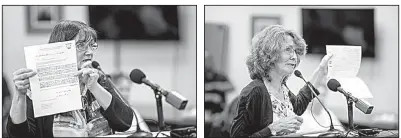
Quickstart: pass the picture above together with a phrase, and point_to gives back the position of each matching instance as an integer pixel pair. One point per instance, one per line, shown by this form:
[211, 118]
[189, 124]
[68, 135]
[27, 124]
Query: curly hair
[266, 47]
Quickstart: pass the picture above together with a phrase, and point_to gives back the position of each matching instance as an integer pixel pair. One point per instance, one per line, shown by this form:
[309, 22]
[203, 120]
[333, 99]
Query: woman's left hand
[319, 77]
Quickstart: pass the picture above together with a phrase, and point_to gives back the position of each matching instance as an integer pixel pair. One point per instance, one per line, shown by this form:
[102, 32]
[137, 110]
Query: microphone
[138, 132]
[299, 75]
[173, 98]
[362, 105]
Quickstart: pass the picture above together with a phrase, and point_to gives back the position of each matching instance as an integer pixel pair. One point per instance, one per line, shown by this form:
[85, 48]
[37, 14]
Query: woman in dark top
[103, 113]
[266, 106]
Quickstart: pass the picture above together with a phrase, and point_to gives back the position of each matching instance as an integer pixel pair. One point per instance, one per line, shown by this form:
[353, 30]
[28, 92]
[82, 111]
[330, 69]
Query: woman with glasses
[266, 106]
[104, 112]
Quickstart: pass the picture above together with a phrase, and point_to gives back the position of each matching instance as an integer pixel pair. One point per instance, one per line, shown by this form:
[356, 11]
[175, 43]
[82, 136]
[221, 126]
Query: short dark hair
[67, 30]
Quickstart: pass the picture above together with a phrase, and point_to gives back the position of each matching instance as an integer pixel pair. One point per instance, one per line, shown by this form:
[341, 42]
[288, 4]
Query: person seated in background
[222, 123]
[103, 111]
[216, 87]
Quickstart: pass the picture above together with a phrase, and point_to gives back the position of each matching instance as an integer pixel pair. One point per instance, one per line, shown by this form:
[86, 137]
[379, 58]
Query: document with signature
[344, 67]
[54, 89]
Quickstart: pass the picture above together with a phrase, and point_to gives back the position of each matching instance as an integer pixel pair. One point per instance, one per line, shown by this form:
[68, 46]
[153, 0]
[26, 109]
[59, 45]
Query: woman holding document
[103, 111]
[266, 106]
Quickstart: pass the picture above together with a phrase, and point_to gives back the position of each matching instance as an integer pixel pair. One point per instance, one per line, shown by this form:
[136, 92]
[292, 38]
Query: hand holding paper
[344, 67]
[21, 80]
[319, 76]
[55, 83]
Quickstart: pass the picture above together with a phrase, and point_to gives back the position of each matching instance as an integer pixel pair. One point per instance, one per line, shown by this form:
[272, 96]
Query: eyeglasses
[290, 50]
[81, 46]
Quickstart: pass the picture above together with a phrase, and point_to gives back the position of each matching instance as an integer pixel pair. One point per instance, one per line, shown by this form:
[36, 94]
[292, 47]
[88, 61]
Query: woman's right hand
[286, 125]
[21, 80]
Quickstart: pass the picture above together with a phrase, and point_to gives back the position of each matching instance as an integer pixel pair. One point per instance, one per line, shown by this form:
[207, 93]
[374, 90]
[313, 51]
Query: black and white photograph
[283, 82]
[168, 68]
[99, 71]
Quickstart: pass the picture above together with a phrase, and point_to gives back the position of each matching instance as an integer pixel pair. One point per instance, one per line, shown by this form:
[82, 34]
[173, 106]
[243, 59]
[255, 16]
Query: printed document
[54, 89]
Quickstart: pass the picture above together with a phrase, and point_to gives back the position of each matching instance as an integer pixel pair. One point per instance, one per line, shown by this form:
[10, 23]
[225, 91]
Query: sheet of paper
[344, 67]
[54, 89]
[346, 61]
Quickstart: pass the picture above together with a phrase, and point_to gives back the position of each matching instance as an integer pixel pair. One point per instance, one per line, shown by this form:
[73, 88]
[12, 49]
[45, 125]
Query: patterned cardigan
[118, 115]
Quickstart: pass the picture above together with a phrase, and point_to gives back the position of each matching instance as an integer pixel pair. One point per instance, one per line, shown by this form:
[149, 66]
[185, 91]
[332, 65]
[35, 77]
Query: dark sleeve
[25, 129]
[6, 91]
[248, 117]
[6, 100]
[118, 114]
[18, 130]
[301, 101]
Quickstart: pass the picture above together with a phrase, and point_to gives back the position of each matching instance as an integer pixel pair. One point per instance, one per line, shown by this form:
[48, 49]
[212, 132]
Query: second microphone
[173, 98]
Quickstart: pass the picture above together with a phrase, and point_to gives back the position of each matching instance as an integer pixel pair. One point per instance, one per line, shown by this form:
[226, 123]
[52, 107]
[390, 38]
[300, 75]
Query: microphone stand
[351, 130]
[159, 105]
[350, 102]
[350, 113]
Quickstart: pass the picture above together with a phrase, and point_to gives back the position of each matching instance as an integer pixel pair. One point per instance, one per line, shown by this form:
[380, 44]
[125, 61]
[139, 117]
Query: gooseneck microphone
[362, 105]
[299, 75]
[173, 98]
[138, 132]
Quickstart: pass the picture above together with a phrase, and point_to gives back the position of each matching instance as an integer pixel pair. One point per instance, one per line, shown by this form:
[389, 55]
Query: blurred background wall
[171, 64]
[379, 73]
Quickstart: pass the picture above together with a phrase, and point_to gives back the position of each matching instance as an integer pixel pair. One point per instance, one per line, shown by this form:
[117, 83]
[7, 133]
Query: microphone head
[298, 73]
[136, 76]
[333, 84]
[95, 64]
